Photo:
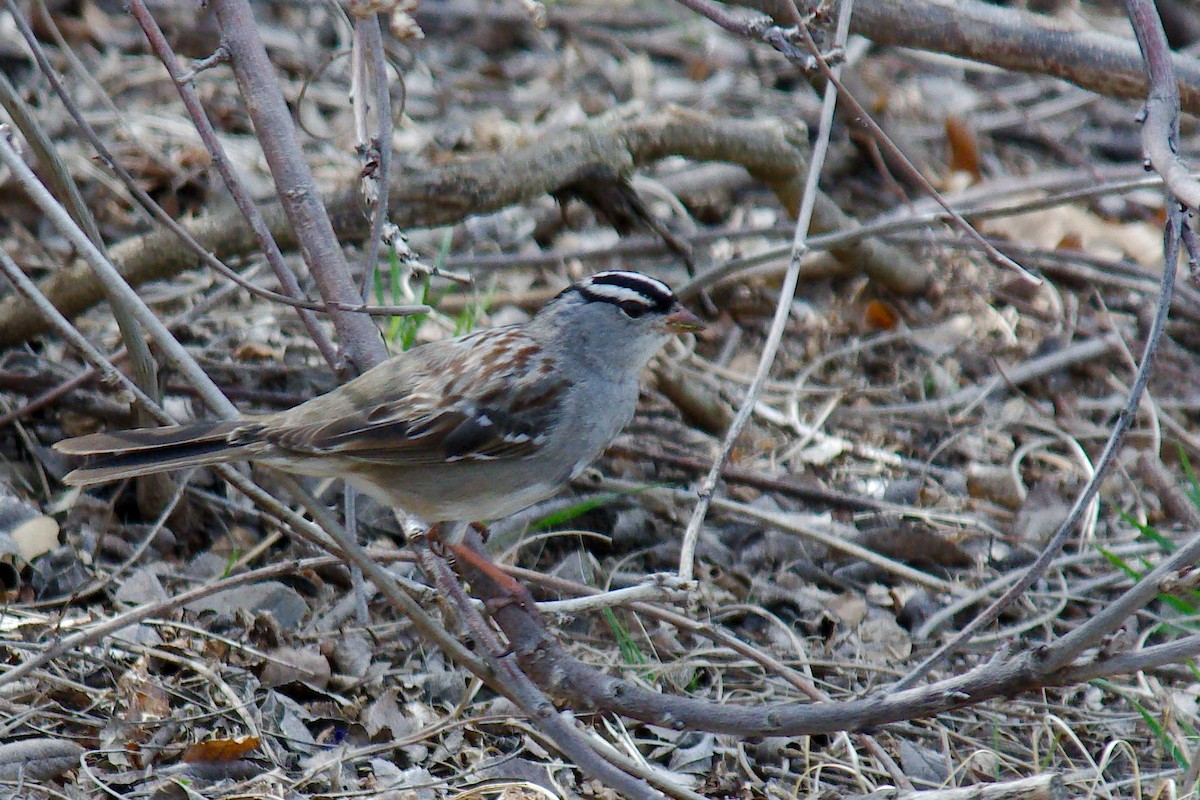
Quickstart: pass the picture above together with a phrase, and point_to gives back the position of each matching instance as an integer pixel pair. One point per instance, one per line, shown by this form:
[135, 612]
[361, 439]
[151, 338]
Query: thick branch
[769, 149]
[1018, 40]
[294, 182]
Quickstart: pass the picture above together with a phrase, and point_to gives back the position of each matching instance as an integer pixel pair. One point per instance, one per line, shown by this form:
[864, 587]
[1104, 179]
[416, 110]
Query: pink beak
[682, 321]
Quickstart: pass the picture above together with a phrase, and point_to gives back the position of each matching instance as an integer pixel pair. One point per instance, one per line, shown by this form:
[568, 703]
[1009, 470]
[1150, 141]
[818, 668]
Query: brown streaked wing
[438, 409]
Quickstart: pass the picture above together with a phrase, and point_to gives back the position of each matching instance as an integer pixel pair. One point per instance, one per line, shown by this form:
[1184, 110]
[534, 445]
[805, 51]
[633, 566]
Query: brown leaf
[880, 315]
[964, 147]
[220, 749]
[1072, 240]
[144, 697]
[289, 664]
[385, 714]
[255, 351]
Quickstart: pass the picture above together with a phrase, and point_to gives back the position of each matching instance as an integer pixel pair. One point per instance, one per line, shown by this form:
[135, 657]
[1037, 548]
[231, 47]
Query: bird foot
[507, 583]
[451, 545]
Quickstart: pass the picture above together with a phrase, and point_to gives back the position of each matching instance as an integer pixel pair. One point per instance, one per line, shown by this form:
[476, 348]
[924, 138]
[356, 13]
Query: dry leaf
[964, 147]
[256, 351]
[880, 315]
[220, 749]
[145, 699]
[1139, 241]
[35, 537]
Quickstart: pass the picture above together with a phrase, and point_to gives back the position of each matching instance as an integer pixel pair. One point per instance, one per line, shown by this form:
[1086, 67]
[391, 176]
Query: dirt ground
[916, 444]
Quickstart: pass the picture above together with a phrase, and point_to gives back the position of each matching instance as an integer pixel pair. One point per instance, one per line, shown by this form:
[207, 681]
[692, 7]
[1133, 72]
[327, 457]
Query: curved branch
[561, 674]
[1160, 131]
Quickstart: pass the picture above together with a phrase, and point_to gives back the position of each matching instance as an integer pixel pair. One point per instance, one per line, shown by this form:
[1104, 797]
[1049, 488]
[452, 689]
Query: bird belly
[451, 493]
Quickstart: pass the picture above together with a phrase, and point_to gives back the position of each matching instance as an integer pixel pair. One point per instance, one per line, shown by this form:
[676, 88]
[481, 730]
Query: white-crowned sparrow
[460, 430]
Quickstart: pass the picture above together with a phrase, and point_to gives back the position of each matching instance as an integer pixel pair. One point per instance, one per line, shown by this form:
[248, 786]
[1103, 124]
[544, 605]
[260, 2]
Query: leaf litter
[291, 686]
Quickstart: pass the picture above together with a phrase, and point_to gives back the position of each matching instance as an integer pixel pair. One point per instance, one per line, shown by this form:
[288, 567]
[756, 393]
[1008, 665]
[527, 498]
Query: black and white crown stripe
[619, 287]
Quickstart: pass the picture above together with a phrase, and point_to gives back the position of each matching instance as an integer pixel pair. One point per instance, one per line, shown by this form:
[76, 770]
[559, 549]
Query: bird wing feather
[434, 405]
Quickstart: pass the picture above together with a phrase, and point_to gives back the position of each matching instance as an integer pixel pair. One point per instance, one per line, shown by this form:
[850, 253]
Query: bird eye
[633, 308]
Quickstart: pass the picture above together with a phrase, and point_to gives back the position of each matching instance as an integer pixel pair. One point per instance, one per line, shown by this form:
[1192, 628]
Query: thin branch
[378, 152]
[1160, 127]
[153, 492]
[237, 189]
[1143, 659]
[783, 310]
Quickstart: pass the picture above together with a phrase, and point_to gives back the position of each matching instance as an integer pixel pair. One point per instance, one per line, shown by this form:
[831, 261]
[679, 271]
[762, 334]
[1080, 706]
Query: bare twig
[1062, 651]
[1076, 353]
[153, 491]
[1159, 136]
[783, 309]
[1107, 457]
[864, 118]
[1160, 125]
[916, 217]
[237, 189]
[377, 153]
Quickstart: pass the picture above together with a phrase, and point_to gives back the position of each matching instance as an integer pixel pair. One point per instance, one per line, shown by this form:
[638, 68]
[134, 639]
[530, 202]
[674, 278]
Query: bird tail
[125, 454]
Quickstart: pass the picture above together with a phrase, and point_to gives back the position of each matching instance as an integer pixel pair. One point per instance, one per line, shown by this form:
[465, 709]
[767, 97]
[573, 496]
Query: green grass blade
[629, 650]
